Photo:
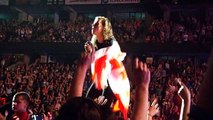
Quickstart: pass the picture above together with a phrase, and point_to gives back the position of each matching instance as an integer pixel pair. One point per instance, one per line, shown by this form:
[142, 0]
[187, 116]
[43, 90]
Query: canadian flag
[108, 66]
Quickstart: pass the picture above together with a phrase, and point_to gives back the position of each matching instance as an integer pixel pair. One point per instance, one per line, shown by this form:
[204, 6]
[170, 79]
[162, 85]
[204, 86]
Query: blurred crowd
[185, 30]
[164, 86]
[48, 84]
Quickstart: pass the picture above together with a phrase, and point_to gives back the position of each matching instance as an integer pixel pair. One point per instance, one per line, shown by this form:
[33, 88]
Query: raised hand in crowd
[185, 96]
[78, 107]
[101, 100]
[142, 80]
[153, 109]
[83, 65]
[48, 116]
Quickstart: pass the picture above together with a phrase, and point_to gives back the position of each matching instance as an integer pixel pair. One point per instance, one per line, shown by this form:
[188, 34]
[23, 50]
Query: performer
[108, 72]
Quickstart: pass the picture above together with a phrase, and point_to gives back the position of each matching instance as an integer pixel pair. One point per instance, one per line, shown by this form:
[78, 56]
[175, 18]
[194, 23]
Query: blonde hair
[107, 32]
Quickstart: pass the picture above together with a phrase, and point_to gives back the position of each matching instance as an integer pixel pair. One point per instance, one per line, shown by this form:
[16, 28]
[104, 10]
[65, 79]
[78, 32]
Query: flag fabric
[108, 66]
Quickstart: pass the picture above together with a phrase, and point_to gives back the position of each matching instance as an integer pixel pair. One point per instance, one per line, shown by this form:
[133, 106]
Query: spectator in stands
[203, 109]
[20, 103]
[20, 110]
[80, 108]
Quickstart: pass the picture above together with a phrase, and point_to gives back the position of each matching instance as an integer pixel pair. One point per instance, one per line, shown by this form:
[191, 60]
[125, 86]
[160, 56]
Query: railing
[76, 48]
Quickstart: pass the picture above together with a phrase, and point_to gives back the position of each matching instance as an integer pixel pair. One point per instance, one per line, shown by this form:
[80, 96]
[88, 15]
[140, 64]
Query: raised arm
[83, 65]
[185, 96]
[142, 79]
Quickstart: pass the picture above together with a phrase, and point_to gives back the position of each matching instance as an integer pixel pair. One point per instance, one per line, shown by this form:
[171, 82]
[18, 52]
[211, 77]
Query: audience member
[142, 80]
[80, 108]
[20, 103]
[203, 109]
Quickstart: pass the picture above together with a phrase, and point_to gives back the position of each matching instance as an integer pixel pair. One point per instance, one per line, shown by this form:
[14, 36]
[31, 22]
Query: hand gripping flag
[108, 66]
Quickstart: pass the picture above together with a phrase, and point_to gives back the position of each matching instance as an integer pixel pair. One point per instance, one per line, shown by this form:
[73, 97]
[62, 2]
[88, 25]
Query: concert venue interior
[41, 40]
